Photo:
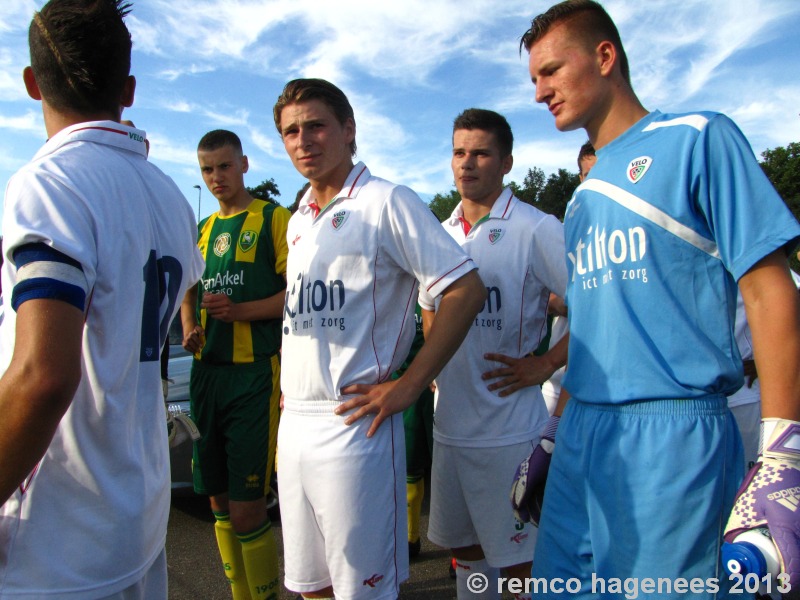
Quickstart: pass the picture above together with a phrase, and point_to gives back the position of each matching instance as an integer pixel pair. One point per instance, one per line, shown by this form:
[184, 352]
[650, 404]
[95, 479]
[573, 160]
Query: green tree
[782, 167]
[532, 187]
[557, 192]
[443, 205]
[266, 190]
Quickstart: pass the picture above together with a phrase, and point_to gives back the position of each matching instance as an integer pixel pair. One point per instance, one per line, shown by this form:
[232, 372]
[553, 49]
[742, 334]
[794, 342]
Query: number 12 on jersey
[162, 278]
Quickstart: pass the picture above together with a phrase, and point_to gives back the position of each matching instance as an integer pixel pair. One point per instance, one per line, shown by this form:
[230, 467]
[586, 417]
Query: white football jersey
[90, 222]
[352, 276]
[520, 253]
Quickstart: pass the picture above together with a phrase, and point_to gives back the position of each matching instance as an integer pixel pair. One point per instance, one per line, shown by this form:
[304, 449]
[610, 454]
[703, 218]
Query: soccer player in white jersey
[98, 250]
[673, 215]
[488, 417]
[358, 245]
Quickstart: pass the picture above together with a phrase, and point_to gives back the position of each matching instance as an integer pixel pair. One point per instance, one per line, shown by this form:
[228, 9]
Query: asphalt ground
[195, 570]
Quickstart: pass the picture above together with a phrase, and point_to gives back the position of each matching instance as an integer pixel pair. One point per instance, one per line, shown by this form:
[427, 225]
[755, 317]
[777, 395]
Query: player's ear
[606, 54]
[349, 131]
[128, 92]
[30, 84]
[245, 163]
[508, 162]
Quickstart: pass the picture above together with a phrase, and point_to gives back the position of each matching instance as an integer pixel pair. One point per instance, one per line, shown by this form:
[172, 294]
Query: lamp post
[199, 191]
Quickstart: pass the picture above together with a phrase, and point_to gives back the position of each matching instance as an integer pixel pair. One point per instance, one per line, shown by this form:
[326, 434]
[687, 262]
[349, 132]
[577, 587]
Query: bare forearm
[556, 357]
[38, 386]
[29, 421]
[563, 398]
[773, 313]
[189, 310]
[427, 322]
[456, 312]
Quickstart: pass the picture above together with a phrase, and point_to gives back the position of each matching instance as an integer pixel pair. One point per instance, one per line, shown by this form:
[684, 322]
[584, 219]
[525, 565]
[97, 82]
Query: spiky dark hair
[81, 53]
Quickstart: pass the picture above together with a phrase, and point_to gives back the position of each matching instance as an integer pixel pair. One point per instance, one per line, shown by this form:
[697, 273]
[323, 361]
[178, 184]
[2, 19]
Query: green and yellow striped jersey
[245, 258]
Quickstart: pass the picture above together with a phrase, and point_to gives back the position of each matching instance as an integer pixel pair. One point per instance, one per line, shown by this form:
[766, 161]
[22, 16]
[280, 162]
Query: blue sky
[409, 67]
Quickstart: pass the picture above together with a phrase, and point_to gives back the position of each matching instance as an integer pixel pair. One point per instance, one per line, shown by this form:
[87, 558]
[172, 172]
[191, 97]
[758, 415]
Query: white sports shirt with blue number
[90, 222]
[351, 278]
[675, 211]
[520, 253]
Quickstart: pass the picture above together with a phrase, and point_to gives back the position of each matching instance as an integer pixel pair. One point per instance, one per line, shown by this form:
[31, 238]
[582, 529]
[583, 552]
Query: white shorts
[152, 585]
[470, 502]
[748, 419]
[343, 504]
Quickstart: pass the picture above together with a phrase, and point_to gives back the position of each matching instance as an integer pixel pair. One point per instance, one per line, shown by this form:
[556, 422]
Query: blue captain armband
[43, 272]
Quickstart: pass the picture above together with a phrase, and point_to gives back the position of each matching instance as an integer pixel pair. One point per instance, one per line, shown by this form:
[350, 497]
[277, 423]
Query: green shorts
[418, 429]
[231, 406]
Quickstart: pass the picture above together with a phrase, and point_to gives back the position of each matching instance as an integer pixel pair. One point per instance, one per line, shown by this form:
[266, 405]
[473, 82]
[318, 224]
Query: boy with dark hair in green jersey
[232, 326]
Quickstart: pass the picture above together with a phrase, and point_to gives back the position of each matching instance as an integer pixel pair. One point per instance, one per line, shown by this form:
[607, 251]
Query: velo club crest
[638, 167]
[339, 219]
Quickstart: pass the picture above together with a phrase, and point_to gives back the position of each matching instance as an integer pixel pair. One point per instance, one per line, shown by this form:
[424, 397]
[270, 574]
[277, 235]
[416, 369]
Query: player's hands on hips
[769, 496]
[517, 372]
[194, 341]
[219, 306]
[382, 400]
[527, 491]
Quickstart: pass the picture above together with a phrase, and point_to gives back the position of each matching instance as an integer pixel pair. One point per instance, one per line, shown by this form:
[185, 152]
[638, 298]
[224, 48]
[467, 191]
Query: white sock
[480, 573]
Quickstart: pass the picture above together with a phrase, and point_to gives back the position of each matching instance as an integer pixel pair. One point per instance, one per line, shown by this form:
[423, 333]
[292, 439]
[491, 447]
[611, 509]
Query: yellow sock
[415, 492]
[260, 554]
[230, 550]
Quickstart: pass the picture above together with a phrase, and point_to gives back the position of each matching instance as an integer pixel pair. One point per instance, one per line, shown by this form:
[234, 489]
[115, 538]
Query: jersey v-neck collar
[356, 179]
[501, 209]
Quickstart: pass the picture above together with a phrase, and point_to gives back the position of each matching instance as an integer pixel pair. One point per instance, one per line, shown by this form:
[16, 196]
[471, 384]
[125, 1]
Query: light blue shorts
[640, 492]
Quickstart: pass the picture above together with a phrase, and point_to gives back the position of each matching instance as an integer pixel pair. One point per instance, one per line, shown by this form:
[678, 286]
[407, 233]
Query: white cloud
[175, 73]
[16, 15]
[209, 29]
[31, 122]
[268, 142]
[12, 62]
[165, 149]
[408, 68]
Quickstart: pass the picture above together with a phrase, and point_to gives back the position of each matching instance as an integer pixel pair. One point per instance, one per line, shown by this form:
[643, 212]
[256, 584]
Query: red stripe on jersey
[428, 289]
[465, 225]
[352, 187]
[103, 129]
[522, 312]
[508, 204]
[395, 474]
[403, 324]
[26, 483]
[375, 321]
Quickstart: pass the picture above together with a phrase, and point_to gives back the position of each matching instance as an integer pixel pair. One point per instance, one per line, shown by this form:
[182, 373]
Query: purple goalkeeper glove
[770, 496]
[527, 491]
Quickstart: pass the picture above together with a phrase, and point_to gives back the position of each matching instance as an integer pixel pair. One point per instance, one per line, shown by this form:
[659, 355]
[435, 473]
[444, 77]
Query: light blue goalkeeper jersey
[675, 211]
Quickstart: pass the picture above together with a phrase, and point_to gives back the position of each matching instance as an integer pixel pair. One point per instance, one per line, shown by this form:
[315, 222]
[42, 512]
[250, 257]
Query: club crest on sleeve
[339, 219]
[247, 240]
[495, 235]
[638, 167]
[222, 244]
